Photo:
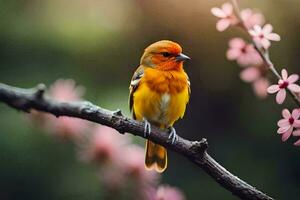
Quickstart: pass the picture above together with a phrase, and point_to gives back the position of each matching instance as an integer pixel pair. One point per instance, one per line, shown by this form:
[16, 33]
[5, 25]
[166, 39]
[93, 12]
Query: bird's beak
[182, 57]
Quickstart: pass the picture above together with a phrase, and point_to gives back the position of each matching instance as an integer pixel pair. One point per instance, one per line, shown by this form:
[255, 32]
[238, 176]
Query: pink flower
[66, 127]
[297, 134]
[285, 82]
[288, 123]
[133, 165]
[251, 18]
[226, 16]
[112, 180]
[165, 192]
[250, 74]
[243, 53]
[262, 36]
[66, 90]
[297, 143]
[129, 174]
[104, 145]
[256, 76]
[63, 127]
[260, 87]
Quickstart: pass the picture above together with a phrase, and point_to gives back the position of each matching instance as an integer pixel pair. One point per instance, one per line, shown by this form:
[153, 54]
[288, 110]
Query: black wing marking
[189, 85]
[134, 84]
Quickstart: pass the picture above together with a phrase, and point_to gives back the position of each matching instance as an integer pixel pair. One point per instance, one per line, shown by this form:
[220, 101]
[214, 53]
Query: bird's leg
[173, 134]
[147, 127]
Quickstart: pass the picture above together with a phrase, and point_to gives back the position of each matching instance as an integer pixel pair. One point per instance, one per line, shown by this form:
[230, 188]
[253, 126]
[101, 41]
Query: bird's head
[164, 55]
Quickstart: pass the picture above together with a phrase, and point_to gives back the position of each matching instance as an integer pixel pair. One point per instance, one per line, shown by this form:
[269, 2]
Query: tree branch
[195, 151]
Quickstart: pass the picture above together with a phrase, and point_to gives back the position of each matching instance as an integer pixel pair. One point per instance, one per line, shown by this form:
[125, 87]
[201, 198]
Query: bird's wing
[189, 86]
[134, 84]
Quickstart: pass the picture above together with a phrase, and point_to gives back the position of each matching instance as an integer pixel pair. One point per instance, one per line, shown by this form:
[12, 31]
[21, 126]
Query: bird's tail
[156, 157]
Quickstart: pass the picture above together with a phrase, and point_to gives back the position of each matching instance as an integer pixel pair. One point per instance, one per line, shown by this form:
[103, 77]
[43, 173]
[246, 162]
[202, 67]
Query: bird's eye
[166, 54]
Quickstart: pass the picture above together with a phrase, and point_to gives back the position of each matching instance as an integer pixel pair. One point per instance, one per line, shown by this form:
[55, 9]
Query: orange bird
[159, 92]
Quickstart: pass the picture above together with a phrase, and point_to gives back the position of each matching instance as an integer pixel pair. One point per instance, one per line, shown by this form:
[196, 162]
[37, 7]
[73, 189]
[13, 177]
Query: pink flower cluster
[248, 19]
[66, 128]
[254, 60]
[253, 70]
[289, 121]
[120, 163]
[288, 124]
[106, 148]
[228, 18]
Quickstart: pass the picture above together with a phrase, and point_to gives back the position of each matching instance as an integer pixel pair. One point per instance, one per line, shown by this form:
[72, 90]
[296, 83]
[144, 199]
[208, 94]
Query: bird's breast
[165, 82]
[162, 97]
[164, 102]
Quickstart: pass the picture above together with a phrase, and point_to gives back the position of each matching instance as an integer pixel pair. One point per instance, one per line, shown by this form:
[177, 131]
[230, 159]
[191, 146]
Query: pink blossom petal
[273, 89]
[296, 114]
[243, 60]
[237, 43]
[227, 8]
[297, 124]
[294, 87]
[284, 74]
[268, 28]
[257, 29]
[296, 132]
[293, 78]
[283, 123]
[280, 97]
[218, 12]
[254, 57]
[165, 192]
[233, 54]
[250, 48]
[257, 41]
[286, 113]
[287, 134]
[223, 24]
[253, 33]
[256, 19]
[273, 37]
[246, 14]
[260, 87]
[284, 129]
[265, 43]
[250, 74]
[297, 143]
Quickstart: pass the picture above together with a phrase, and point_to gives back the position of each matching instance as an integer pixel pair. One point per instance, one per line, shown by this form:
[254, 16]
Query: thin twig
[195, 151]
[237, 8]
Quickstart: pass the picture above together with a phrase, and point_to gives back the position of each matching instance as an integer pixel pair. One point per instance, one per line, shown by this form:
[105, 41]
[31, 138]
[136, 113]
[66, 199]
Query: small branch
[195, 151]
[264, 55]
[237, 8]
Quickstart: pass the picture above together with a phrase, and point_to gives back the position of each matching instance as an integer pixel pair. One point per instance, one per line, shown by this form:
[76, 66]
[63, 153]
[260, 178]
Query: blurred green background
[98, 43]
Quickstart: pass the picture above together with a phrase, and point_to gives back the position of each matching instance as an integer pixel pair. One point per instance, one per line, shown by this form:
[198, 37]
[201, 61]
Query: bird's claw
[147, 128]
[173, 136]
